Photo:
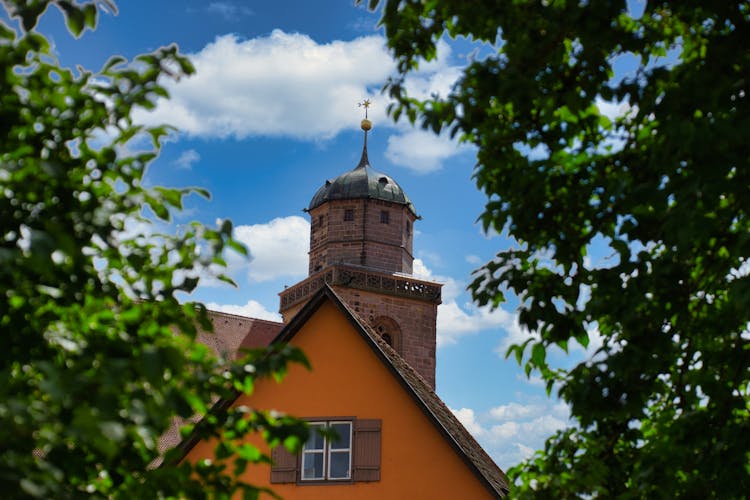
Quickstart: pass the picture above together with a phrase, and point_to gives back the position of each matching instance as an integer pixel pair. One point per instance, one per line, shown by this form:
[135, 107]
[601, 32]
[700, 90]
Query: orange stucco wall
[348, 379]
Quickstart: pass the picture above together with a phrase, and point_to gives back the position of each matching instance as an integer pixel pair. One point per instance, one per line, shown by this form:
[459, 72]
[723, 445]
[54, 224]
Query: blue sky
[270, 115]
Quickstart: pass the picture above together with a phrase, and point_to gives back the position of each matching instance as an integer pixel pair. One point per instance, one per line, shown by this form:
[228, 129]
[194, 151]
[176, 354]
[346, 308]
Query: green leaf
[74, 17]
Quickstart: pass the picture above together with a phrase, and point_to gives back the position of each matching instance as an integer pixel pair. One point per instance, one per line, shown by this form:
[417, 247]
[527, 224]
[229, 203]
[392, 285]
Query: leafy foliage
[97, 355]
[662, 409]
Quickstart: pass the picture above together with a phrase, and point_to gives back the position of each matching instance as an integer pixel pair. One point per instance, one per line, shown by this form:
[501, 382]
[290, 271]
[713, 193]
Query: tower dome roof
[362, 182]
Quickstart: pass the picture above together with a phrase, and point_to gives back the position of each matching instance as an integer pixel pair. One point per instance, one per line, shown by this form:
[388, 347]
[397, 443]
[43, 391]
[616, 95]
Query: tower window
[349, 214]
[320, 220]
[385, 217]
[389, 331]
[408, 228]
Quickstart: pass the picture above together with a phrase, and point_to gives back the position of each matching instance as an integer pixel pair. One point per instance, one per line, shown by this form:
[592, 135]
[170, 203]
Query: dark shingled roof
[362, 182]
[462, 442]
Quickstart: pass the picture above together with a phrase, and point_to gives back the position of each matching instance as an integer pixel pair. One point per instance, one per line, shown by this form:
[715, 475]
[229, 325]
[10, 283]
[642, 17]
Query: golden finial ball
[366, 124]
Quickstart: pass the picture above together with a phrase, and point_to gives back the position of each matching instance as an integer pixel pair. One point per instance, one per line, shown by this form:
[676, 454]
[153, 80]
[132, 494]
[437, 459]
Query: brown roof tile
[231, 334]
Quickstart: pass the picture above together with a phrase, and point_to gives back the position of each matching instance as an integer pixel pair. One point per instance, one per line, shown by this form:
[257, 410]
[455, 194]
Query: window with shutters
[330, 456]
[352, 454]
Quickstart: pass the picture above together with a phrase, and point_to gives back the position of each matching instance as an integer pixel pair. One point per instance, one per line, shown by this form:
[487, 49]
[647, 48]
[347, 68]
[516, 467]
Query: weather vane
[366, 124]
[365, 104]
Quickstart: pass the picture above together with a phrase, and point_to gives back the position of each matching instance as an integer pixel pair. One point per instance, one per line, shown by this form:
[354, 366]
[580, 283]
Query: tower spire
[366, 126]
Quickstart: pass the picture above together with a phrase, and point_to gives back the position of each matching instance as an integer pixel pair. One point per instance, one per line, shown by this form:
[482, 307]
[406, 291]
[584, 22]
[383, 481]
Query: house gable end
[347, 379]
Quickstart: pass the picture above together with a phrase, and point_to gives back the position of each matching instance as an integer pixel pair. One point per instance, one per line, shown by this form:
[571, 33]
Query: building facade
[368, 328]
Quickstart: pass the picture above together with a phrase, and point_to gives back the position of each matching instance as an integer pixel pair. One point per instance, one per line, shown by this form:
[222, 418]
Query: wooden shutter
[366, 450]
[284, 467]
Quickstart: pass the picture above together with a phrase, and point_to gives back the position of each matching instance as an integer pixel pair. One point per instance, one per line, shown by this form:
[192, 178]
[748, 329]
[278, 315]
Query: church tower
[361, 240]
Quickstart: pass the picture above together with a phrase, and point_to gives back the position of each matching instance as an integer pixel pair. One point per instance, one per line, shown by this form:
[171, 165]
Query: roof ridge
[235, 315]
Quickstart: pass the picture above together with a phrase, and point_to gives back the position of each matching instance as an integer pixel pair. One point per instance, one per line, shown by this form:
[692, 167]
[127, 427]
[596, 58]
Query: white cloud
[505, 431]
[513, 411]
[741, 271]
[473, 259]
[561, 410]
[534, 379]
[451, 287]
[435, 78]
[252, 309]
[614, 109]
[511, 432]
[455, 321]
[187, 159]
[420, 270]
[283, 84]
[467, 418]
[541, 427]
[517, 335]
[287, 84]
[433, 258]
[513, 441]
[524, 451]
[422, 151]
[277, 249]
[596, 341]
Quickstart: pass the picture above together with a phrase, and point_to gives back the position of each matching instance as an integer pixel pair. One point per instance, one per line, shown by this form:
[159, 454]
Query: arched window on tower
[389, 331]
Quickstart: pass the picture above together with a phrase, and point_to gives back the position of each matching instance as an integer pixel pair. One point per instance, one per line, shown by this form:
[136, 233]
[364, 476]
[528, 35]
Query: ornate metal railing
[402, 286]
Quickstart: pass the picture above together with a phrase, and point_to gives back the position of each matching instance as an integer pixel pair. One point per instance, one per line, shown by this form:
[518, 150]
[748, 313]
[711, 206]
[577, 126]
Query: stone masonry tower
[361, 234]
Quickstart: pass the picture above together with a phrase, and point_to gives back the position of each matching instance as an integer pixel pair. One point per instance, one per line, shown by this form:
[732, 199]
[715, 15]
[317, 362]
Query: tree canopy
[97, 355]
[662, 409]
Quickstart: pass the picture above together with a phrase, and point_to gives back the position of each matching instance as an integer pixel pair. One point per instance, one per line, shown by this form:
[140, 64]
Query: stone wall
[415, 318]
[379, 236]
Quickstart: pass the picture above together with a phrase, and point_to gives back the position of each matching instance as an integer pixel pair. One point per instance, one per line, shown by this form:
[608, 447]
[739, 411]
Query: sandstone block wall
[379, 236]
[416, 319]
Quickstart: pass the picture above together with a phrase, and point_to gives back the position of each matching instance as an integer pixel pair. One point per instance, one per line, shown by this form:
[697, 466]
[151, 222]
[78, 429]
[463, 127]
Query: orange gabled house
[368, 327]
[396, 437]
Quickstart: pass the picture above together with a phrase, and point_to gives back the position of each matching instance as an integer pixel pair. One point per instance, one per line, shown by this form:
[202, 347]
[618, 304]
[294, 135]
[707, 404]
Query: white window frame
[311, 452]
[327, 451]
